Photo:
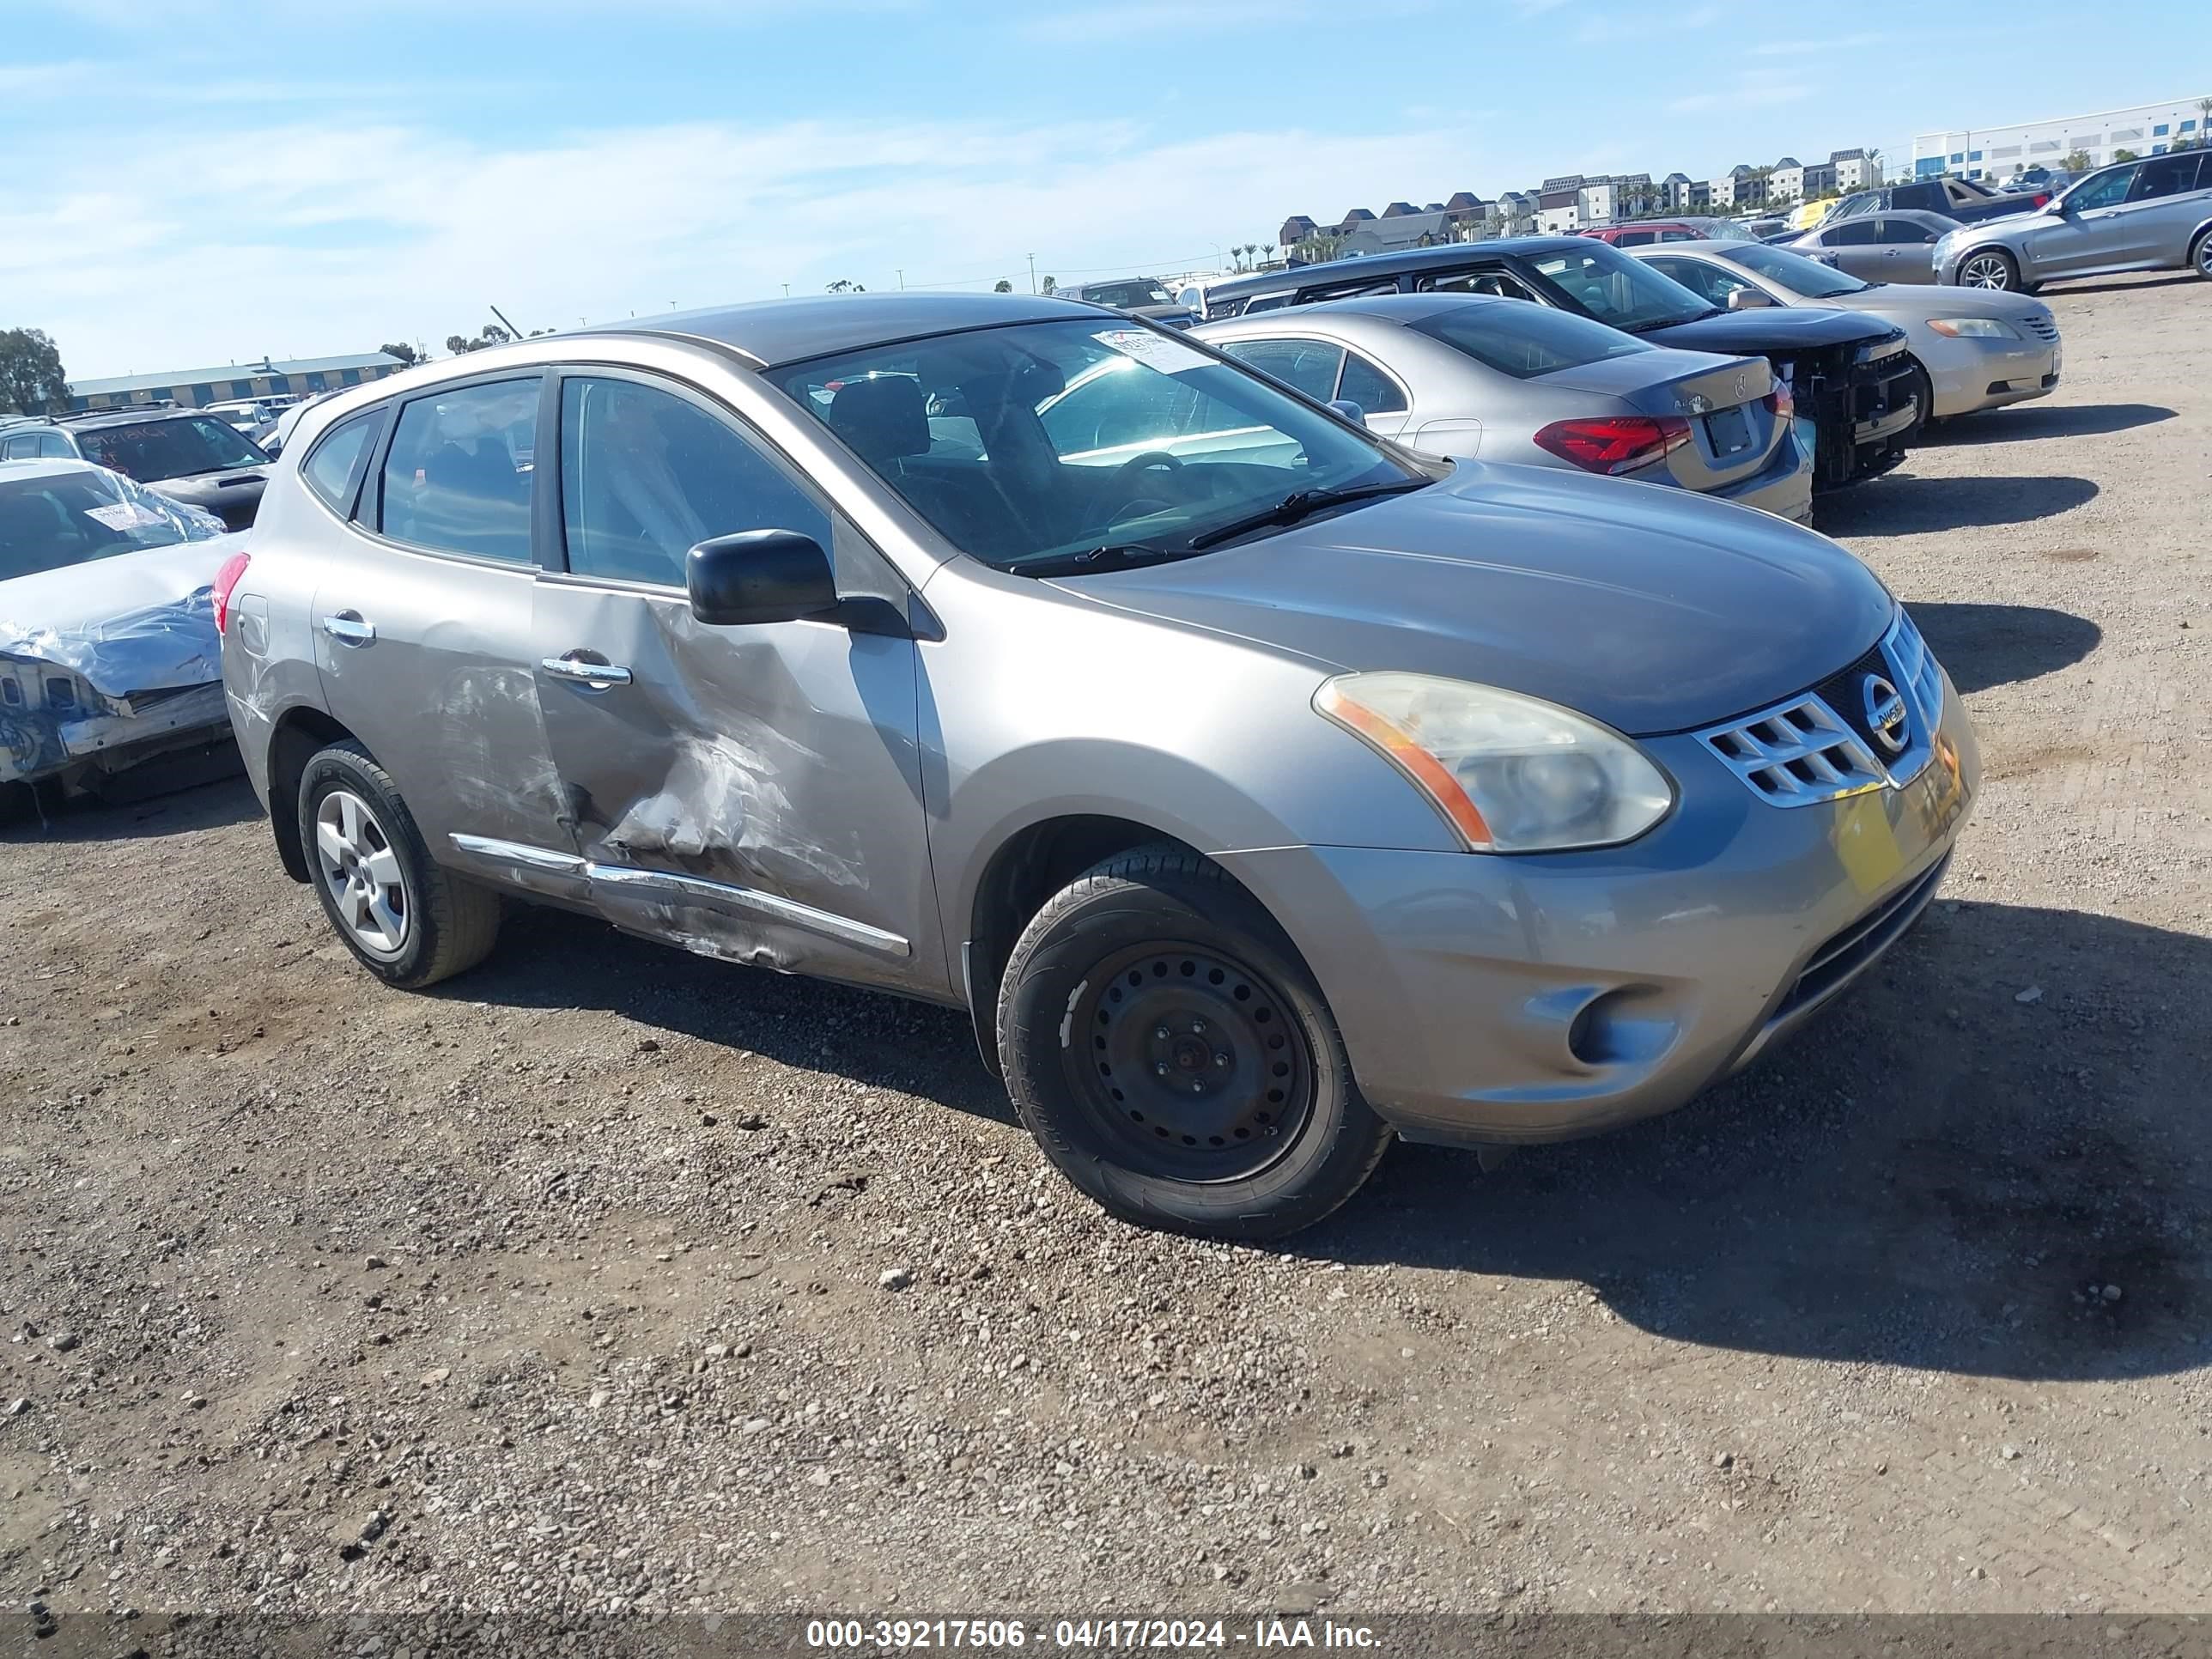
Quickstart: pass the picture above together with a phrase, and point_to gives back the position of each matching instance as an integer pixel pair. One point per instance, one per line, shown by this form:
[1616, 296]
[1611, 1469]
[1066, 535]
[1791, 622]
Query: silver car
[1978, 350]
[1258, 800]
[1506, 381]
[2151, 215]
[1895, 247]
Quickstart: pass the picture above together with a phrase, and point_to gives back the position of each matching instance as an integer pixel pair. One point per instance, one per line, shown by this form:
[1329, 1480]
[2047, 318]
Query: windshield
[1618, 291]
[155, 450]
[1137, 292]
[49, 519]
[1801, 276]
[1525, 341]
[1044, 439]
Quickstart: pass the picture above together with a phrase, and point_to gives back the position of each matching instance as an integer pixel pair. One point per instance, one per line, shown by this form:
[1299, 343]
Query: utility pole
[1032, 273]
[902, 280]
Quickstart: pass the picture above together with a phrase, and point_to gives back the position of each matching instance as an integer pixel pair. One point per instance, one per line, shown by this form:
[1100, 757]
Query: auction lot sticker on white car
[125, 515]
[1155, 350]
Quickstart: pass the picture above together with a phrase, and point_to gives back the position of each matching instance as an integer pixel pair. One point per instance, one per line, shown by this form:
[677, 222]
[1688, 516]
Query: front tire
[1991, 268]
[404, 917]
[2200, 257]
[1173, 1057]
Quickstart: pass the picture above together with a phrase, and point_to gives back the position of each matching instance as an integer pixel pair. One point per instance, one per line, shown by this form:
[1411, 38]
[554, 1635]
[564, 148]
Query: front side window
[1033, 446]
[150, 451]
[457, 477]
[329, 468]
[75, 517]
[1311, 365]
[1526, 340]
[646, 474]
[2102, 190]
[1896, 230]
[1619, 291]
[1709, 283]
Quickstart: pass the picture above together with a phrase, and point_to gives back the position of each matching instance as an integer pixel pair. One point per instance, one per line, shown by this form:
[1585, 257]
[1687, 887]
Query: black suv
[1847, 371]
[187, 454]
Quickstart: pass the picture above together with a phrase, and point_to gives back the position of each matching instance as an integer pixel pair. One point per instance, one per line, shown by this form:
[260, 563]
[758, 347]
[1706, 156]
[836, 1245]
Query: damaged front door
[748, 793]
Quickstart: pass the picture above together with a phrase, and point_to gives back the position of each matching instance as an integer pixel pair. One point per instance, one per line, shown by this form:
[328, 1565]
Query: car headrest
[882, 418]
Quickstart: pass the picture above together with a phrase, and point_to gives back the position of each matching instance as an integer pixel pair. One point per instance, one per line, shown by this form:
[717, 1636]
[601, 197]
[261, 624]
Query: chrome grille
[1802, 752]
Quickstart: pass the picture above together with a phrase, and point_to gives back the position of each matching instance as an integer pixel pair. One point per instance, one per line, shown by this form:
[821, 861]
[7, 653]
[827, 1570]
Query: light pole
[1032, 273]
[902, 280]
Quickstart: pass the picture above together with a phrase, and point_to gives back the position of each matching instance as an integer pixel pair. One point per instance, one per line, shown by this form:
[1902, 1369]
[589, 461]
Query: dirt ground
[562, 1286]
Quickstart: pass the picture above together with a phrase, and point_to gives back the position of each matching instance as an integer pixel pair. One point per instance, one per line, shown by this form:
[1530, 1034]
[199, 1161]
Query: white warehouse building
[1997, 153]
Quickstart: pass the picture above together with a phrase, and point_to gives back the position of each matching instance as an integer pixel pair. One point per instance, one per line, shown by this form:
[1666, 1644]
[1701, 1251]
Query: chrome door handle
[597, 675]
[347, 629]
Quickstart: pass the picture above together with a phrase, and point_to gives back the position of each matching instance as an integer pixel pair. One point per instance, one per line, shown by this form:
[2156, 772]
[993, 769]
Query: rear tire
[2200, 255]
[1993, 268]
[1173, 1057]
[406, 919]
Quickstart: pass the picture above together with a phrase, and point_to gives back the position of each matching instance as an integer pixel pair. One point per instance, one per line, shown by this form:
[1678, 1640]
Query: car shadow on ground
[207, 795]
[2024, 422]
[1987, 645]
[1906, 505]
[1937, 1173]
[2119, 285]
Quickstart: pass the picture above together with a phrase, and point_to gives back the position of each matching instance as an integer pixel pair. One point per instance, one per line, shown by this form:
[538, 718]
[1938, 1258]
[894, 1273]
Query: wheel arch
[2012, 255]
[299, 733]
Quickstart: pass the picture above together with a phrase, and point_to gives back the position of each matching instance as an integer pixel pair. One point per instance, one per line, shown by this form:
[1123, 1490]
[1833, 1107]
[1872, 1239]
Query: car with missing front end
[109, 649]
[1850, 378]
[1260, 789]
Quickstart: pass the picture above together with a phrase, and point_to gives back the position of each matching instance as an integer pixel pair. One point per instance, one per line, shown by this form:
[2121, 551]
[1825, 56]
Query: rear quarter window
[332, 469]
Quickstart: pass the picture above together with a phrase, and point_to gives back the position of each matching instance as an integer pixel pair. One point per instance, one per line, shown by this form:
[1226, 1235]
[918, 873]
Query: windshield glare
[1625, 293]
[1525, 341]
[169, 449]
[1800, 275]
[1045, 440]
[52, 520]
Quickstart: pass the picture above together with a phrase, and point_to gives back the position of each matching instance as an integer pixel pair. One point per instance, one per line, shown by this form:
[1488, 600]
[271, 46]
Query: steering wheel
[1151, 457]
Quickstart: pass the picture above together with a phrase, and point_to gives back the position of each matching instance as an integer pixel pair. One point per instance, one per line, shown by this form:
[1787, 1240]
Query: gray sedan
[1978, 350]
[1898, 246]
[1258, 803]
[1506, 381]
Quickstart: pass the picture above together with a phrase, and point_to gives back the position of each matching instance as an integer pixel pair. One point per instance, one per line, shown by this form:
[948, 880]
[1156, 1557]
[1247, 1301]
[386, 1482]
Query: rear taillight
[1781, 403]
[225, 579]
[1619, 445]
[2042, 198]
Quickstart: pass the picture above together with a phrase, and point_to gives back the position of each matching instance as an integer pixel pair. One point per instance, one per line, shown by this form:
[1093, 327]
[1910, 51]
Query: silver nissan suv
[1260, 789]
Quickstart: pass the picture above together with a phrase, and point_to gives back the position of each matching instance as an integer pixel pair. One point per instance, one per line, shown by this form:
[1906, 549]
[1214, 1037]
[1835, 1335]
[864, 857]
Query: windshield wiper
[1300, 504]
[1116, 556]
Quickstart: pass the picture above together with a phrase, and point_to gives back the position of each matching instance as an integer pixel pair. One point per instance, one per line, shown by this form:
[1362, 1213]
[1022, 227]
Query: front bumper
[39, 744]
[1972, 374]
[1494, 1000]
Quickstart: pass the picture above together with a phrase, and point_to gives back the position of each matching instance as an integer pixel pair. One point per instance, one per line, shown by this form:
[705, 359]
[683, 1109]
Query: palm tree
[1874, 164]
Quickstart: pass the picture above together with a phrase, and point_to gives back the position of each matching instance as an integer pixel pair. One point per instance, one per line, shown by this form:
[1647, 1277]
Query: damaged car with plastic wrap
[1261, 790]
[110, 653]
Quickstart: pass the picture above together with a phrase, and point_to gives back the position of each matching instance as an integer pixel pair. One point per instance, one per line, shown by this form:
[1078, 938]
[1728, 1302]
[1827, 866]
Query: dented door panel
[749, 793]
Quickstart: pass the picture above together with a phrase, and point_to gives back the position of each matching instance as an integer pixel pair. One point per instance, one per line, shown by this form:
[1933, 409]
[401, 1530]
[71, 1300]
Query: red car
[1642, 232]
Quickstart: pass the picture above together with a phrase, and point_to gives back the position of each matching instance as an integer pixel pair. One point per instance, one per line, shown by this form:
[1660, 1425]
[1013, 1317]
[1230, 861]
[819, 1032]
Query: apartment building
[1997, 153]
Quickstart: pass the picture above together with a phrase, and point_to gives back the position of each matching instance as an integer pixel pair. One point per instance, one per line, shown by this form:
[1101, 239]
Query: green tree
[1051, 285]
[1002, 285]
[2125, 156]
[2078, 161]
[1319, 248]
[845, 285]
[31, 376]
[493, 335]
[406, 353]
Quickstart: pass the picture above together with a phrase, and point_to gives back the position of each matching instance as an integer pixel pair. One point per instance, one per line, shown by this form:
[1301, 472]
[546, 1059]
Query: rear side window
[1635, 239]
[1363, 384]
[2164, 175]
[1310, 364]
[1526, 340]
[457, 479]
[330, 470]
[1860, 233]
[1493, 282]
[646, 475]
[23, 448]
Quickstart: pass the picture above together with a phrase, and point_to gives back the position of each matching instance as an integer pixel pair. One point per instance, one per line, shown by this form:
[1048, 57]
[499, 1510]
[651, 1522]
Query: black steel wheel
[1173, 1055]
[1193, 1067]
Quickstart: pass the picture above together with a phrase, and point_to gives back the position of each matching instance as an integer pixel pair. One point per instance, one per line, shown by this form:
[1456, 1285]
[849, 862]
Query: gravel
[608, 1278]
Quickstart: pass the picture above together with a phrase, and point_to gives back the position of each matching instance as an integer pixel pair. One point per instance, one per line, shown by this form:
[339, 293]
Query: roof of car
[95, 417]
[776, 332]
[1387, 265]
[17, 471]
[1394, 308]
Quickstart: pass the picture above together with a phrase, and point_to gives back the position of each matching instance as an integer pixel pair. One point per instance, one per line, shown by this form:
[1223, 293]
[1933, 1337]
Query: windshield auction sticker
[125, 515]
[1154, 351]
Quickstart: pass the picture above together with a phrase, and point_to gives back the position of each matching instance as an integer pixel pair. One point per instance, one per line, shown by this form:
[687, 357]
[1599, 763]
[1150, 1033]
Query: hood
[1919, 302]
[1770, 331]
[233, 495]
[1648, 608]
[138, 621]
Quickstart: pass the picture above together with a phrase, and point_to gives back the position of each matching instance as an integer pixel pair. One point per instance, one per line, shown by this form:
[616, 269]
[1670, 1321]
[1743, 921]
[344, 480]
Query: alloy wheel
[1191, 1064]
[1986, 271]
[2204, 256]
[362, 874]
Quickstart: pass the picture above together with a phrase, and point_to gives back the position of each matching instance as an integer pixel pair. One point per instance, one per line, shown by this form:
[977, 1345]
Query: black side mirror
[759, 576]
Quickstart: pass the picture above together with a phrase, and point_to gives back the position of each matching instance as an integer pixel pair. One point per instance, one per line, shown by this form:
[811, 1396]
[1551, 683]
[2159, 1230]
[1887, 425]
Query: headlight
[1974, 328]
[1512, 774]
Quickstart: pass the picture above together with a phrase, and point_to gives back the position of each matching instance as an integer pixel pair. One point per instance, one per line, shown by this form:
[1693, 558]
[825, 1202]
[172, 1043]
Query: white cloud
[1807, 48]
[312, 238]
[1749, 90]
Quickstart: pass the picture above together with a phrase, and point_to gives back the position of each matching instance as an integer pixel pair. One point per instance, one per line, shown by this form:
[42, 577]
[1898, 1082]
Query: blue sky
[192, 182]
